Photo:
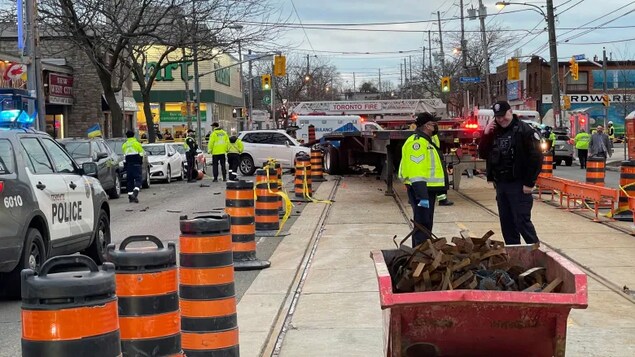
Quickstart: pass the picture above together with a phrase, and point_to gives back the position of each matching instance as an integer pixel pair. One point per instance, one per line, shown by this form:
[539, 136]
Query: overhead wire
[300, 21]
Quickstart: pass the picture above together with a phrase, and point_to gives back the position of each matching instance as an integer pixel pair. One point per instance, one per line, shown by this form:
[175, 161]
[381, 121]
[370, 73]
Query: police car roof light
[16, 117]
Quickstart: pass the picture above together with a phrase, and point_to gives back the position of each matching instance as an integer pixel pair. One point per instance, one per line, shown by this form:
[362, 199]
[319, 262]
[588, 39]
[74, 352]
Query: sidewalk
[337, 311]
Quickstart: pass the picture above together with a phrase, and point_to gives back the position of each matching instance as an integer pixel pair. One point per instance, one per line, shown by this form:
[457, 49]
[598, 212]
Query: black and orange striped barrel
[311, 130]
[317, 165]
[206, 287]
[596, 171]
[70, 312]
[147, 296]
[267, 206]
[302, 174]
[627, 182]
[547, 166]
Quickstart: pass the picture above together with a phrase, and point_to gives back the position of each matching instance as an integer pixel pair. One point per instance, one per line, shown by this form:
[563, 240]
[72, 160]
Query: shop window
[55, 125]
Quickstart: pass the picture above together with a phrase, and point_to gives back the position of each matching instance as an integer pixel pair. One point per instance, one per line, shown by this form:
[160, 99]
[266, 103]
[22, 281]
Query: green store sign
[168, 73]
[176, 117]
[222, 75]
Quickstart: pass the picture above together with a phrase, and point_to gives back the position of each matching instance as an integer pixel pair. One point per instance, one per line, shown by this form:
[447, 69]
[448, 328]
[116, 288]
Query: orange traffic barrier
[595, 171]
[311, 133]
[303, 180]
[267, 217]
[239, 205]
[598, 196]
[70, 313]
[206, 287]
[547, 165]
[627, 184]
[147, 296]
[317, 165]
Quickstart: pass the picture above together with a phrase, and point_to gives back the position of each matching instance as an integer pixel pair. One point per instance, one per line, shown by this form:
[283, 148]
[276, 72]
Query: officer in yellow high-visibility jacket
[423, 171]
[443, 196]
[133, 154]
[217, 146]
[235, 147]
[582, 140]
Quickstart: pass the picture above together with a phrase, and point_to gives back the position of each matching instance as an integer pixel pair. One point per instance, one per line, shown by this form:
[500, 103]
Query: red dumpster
[482, 323]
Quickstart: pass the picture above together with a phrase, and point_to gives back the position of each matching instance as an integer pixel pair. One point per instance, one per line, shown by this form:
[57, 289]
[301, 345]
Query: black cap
[501, 108]
[190, 131]
[129, 134]
[424, 118]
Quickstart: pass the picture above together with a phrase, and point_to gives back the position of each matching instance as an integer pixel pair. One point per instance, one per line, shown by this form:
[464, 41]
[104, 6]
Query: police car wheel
[146, 182]
[97, 249]
[33, 256]
[115, 191]
[168, 176]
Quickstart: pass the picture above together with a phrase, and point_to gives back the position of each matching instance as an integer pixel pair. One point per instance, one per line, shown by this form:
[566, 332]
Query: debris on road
[465, 263]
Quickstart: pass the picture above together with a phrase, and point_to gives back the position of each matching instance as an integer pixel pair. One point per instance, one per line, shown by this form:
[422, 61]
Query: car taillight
[1, 186]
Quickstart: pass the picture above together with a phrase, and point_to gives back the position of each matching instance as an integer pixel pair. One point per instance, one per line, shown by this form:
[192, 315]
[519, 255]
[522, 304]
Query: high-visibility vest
[218, 142]
[436, 141]
[420, 161]
[132, 147]
[582, 141]
[236, 147]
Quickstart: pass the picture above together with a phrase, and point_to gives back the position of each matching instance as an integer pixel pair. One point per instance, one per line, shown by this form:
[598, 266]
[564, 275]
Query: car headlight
[157, 163]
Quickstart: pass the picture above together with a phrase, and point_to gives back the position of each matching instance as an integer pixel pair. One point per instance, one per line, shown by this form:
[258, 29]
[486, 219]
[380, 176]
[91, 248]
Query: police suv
[49, 205]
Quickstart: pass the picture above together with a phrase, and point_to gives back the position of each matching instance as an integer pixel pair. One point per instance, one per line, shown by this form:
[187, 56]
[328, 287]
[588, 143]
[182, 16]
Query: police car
[49, 205]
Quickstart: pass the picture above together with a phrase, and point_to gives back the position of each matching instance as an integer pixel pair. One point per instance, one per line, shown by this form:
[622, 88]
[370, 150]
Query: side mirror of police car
[287, 143]
[89, 169]
[101, 155]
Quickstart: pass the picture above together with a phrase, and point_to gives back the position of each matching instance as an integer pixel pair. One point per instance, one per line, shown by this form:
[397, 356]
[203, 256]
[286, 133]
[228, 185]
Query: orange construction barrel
[267, 206]
[303, 180]
[239, 205]
[595, 171]
[547, 166]
[627, 184]
[206, 287]
[317, 165]
[148, 300]
[311, 133]
[70, 313]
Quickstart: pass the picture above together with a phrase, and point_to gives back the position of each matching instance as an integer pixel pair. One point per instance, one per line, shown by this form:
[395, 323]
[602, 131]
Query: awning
[130, 105]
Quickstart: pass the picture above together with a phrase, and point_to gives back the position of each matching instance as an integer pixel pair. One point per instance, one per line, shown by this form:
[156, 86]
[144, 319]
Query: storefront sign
[60, 89]
[593, 98]
[222, 75]
[177, 117]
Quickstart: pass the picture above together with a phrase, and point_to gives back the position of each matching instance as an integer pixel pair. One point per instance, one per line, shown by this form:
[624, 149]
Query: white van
[325, 124]
[485, 115]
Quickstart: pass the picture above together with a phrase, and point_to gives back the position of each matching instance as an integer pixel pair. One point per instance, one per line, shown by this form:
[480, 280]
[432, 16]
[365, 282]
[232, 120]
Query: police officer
[191, 146]
[511, 150]
[423, 171]
[217, 146]
[235, 147]
[581, 141]
[133, 151]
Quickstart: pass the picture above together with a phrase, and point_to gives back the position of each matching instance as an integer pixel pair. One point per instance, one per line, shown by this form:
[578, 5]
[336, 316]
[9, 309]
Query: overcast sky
[572, 14]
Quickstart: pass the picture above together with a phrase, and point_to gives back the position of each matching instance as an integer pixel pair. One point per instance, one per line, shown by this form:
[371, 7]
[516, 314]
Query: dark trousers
[582, 155]
[514, 211]
[233, 160]
[133, 179]
[191, 167]
[423, 216]
[219, 160]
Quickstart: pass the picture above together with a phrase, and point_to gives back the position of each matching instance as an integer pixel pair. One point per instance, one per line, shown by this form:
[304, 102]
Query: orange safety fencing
[598, 196]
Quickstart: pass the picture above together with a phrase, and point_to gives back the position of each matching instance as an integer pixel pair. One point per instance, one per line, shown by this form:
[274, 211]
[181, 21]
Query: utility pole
[197, 84]
[553, 53]
[188, 97]
[240, 82]
[251, 92]
[423, 61]
[482, 14]
[430, 48]
[354, 84]
[273, 96]
[34, 66]
[441, 44]
[401, 77]
[379, 82]
[604, 86]
[410, 64]
[464, 59]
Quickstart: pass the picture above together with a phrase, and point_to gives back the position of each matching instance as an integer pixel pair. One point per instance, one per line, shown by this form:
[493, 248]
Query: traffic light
[279, 66]
[266, 82]
[513, 69]
[606, 101]
[567, 102]
[445, 84]
[573, 68]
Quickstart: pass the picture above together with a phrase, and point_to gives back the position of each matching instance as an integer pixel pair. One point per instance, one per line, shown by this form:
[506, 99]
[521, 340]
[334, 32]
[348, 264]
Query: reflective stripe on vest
[421, 162]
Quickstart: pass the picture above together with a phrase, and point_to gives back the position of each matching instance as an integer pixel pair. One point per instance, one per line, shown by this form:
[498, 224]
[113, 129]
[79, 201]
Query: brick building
[533, 90]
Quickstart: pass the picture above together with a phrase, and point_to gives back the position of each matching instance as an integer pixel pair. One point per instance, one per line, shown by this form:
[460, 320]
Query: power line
[300, 21]
[597, 43]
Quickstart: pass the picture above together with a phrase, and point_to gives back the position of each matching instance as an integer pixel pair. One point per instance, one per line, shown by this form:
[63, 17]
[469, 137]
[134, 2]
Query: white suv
[262, 145]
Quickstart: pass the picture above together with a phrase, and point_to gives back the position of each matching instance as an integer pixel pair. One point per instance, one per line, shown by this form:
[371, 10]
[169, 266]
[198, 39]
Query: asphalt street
[157, 214]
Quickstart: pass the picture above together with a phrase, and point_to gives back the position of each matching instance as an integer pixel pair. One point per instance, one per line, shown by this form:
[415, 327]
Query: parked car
[563, 148]
[165, 163]
[116, 146]
[262, 145]
[51, 205]
[96, 150]
[199, 161]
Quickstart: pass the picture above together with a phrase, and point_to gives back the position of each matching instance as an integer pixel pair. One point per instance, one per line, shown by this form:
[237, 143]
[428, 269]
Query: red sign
[60, 89]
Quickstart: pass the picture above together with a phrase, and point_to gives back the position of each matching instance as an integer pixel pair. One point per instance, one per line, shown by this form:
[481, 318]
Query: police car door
[78, 210]
[48, 187]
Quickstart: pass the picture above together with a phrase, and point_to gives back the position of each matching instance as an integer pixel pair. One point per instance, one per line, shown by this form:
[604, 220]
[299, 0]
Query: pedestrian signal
[266, 81]
[445, 84]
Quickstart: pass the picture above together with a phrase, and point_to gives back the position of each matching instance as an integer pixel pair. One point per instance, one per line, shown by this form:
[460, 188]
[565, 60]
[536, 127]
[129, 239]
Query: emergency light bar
[16, 117]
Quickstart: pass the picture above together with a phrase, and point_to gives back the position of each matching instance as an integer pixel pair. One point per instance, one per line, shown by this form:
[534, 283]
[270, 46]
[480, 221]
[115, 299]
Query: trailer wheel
[331, 160]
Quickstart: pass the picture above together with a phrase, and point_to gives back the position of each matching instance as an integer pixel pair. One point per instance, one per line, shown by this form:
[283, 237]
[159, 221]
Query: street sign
[470, 79]
[579, 57]
[258, 57]
[266, 99]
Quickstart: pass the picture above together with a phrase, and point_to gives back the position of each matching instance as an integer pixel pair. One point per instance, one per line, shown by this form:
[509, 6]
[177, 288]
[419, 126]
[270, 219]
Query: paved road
[575, 173]
[157, 214]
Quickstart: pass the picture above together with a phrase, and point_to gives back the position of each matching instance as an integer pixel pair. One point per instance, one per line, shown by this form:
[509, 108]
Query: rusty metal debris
[463, 262]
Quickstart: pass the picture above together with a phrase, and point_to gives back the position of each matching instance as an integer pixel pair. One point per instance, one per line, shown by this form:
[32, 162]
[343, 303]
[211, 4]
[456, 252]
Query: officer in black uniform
[190, 154]
[511, 149]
